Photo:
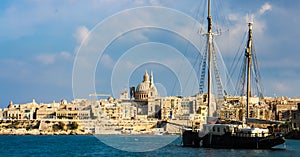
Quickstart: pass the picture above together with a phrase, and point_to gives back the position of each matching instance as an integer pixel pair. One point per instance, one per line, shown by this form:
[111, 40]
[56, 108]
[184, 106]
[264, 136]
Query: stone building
[146, 96]
[146, 90]
[20, 111]
[72, 111]
[47, 111]
[170, 107]
[284, 107]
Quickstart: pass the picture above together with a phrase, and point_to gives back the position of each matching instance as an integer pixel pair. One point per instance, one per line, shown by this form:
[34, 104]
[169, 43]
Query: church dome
[143, 86]
[146, 89]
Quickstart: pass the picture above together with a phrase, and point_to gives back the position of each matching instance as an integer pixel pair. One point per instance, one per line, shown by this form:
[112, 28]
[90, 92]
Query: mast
[248, 53]
[210, 48]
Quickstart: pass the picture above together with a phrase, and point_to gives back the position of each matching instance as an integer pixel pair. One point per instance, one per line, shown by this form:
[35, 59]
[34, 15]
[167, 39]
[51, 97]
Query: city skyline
[39, 40]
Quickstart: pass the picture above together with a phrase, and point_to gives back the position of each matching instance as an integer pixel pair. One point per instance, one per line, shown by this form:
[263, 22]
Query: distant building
[20, 111]
[146, 90]
[170, 107]
[1, 113]
[72, 111]
[146, 97]
[296, 118]
[284, 107]
[47, 111]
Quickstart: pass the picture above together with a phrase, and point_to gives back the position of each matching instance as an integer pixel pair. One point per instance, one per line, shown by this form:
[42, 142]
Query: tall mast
[210, 48]
[248, 53]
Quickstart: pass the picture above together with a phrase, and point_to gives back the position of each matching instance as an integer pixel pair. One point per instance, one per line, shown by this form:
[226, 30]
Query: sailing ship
[239, 136]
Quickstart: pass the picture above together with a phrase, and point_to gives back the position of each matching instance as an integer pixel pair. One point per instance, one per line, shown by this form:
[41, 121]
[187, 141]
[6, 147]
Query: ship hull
[237, 142]
[190, 138]
[230, 141]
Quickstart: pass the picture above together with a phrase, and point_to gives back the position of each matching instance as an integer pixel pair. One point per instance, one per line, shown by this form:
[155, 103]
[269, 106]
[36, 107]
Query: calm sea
[91, 146]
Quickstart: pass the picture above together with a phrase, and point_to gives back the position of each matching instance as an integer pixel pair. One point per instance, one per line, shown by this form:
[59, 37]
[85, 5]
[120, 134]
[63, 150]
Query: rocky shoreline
[89, 127]
[37, 132]
[37, 127]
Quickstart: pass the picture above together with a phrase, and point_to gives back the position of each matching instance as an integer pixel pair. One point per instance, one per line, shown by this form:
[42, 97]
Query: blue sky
[39, 41]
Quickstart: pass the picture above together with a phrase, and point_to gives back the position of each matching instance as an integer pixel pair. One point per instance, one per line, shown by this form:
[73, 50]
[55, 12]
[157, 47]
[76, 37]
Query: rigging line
[204, 12]
[238, 61]
[225, 68]
[226, 19]
[260, 83]
[220, 92]
[202, 63]
[198, 10]
[203, 70]
[253, 80]
[241, 75]
[198, 71]
[190, 73]
[219, 16]
[221, 22]
[180, 70]
[197, 14]
[233, 67]
[241, 79]
[188, 46]
[256, 73]
[223, 64]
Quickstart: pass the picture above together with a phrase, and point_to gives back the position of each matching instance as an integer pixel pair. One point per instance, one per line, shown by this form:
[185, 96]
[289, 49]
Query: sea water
[70, 145]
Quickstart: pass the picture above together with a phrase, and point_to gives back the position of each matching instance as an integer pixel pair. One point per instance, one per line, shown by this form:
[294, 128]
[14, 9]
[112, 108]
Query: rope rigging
[240, 60]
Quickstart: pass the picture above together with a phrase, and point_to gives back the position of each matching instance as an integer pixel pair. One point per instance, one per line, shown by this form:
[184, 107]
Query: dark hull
[231, 141]
[295, 134]
[190, 139]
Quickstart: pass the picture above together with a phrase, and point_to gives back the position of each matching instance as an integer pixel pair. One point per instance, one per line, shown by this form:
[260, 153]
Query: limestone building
[146, 96]
[146, 90]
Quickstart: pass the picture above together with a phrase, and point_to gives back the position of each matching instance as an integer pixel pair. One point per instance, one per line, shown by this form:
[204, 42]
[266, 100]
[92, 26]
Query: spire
[151, 78]
[10, 104]
[146, 76]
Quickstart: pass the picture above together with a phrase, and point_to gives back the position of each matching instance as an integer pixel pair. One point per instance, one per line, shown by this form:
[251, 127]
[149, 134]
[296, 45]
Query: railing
[242, 134]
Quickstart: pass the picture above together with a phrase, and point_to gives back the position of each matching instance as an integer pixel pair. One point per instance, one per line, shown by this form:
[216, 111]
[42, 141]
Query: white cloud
[266, 7]
[280, 87]
[138, 2]
[65, 55]
[107, 61]
[154, 2]
[231, 41]
[233, 17]
[82, 34]
[48, 59]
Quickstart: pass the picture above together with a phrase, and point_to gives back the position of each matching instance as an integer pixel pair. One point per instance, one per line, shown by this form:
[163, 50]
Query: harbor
[91, 146]
[149, 78]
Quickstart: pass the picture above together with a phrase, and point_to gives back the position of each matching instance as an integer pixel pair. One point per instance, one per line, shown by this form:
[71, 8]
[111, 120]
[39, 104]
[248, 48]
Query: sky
[53, 50]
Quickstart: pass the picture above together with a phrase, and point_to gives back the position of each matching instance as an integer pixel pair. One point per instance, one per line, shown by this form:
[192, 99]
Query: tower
[151, 79]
